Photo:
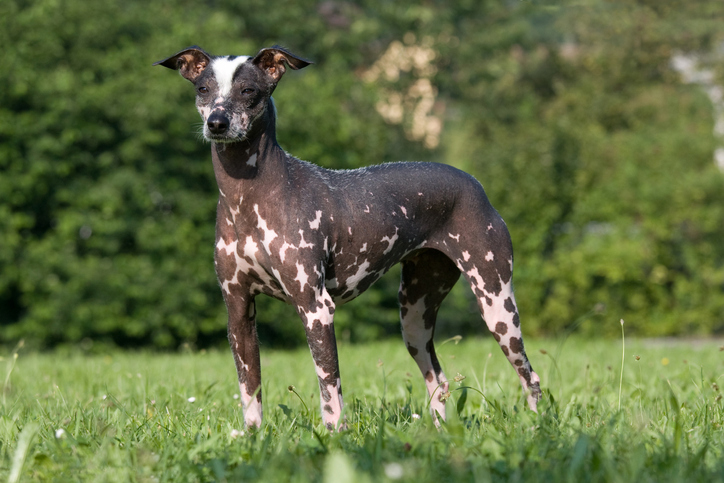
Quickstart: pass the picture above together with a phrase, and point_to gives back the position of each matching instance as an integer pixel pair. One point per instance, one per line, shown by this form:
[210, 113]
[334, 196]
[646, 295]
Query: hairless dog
[317, 238]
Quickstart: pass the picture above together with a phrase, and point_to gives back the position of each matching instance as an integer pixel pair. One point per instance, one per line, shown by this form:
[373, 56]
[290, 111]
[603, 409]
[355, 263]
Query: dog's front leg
[245, 348]
[317, 315]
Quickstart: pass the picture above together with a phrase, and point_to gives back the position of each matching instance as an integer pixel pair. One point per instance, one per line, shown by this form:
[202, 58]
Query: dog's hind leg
[490, 274]
[427, 278]
[501, 317]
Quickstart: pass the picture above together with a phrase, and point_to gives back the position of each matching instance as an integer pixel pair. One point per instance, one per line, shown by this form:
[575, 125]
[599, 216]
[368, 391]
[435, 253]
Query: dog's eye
[202, 90]
[247, 91]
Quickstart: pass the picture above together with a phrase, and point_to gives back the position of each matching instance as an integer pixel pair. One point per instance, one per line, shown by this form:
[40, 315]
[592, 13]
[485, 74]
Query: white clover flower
[192, 399]
[394, 471]
[59, 433]
[415, 416]
[235, 433]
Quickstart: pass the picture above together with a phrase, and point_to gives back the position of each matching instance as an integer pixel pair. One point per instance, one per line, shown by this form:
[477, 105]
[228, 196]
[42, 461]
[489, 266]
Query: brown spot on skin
[488, 301]
[501, 328]
[429, 376]
[525, 374]
[516, 345]
[225, 266]
[535, 390]
[516, 320]
[430, 347]
[505, 350]
[412, 350]
[328, 409]
[330, 427]
[497, 337]
[518, 363]
[236, 290]
[403, 312]
[509, 305]
[253, 273]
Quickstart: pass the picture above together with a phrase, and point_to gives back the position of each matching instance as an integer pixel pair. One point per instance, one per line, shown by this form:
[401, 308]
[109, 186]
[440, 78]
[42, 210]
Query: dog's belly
[354, 268]
[350, 287]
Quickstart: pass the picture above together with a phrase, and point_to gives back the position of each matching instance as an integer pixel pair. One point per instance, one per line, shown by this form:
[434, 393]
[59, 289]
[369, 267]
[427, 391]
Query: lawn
[129, 416]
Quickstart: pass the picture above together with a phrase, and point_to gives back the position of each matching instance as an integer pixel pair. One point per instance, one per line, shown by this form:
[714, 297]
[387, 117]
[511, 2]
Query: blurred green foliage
[596, 154]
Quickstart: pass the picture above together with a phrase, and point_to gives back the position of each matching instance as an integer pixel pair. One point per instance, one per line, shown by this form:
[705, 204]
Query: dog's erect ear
[190, 62]
[273, 60]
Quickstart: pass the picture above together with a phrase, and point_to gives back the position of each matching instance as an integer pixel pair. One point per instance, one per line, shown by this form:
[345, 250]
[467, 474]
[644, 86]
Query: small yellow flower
[665, 361]
[459, 378]
[445, 396]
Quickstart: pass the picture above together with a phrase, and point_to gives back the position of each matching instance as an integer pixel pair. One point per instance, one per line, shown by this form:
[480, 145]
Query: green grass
[127, 417]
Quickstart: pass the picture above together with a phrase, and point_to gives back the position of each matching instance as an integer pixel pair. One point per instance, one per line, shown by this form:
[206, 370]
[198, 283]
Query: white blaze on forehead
[224, 69]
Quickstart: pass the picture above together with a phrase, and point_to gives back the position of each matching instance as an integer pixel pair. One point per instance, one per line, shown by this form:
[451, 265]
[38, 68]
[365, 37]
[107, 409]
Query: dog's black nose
[218, 123]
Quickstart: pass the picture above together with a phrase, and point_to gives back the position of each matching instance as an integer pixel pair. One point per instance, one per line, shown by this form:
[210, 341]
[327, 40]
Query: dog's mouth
[232, 134]
[223, 139]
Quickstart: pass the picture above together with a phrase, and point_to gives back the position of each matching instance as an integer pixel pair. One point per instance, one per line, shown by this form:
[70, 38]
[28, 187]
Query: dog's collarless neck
[245, 159]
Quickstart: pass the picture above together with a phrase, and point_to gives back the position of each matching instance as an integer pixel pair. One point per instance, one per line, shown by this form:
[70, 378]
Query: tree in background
[590, 145]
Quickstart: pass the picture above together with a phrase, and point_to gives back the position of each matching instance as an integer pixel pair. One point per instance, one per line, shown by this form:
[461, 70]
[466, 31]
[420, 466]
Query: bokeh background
[596, 127]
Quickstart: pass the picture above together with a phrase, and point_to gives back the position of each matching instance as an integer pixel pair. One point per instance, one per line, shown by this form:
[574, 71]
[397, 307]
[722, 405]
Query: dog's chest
[243, 254]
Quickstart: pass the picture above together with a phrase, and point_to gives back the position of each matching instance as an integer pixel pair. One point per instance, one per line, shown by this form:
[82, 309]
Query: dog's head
[232, 92]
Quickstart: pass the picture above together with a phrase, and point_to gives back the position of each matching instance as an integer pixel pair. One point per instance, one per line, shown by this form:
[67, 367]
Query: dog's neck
[248, 160]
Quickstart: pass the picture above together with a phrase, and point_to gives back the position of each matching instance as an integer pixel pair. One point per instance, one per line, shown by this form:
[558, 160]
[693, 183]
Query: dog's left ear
[273, 60]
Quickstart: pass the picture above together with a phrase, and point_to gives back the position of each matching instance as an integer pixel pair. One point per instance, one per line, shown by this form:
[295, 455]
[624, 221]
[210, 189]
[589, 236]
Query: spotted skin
[427, 277]
[317, 238]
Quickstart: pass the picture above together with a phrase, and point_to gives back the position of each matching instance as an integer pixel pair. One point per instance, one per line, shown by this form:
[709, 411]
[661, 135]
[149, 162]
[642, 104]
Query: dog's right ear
[190, 62]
